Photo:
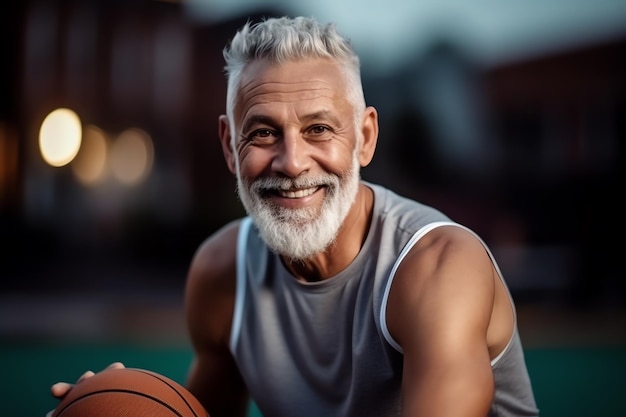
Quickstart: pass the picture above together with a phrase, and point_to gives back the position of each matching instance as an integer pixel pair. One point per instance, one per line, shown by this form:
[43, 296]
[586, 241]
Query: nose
[292, 155]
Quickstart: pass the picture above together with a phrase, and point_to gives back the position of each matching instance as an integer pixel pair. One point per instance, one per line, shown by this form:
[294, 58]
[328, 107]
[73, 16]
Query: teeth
[297, 193]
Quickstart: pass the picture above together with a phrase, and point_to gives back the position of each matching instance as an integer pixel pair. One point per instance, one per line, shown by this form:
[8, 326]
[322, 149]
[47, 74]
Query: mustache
[268, 184]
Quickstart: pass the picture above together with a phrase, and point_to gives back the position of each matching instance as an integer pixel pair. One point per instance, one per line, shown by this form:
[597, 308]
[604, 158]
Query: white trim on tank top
[242, 240]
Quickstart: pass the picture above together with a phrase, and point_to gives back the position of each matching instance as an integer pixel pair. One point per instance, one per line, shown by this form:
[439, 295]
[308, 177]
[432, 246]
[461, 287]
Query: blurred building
[527, 152]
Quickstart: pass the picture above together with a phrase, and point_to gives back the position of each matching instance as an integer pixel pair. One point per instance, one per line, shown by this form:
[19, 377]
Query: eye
[319, 132]
[319, 129]
[262, 136]
[262, 133]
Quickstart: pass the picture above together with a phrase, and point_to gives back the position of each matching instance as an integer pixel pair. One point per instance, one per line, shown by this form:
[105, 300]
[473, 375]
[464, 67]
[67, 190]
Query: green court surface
[568, 382]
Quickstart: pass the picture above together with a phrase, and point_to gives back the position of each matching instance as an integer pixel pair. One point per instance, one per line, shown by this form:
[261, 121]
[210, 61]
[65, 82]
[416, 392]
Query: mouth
[298, 193]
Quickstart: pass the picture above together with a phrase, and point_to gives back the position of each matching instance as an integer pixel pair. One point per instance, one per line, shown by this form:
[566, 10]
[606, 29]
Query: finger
[59, 389]
[116, 365]
[86, 375]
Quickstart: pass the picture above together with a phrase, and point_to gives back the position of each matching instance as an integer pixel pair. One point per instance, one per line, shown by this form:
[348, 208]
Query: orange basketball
[129, 392]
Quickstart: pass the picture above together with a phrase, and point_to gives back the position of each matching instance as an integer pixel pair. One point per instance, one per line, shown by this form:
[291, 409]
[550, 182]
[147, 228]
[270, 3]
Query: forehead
[264, 82]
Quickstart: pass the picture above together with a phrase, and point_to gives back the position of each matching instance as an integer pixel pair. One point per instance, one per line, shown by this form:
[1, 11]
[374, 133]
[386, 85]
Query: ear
[224, 132]
[369, 130]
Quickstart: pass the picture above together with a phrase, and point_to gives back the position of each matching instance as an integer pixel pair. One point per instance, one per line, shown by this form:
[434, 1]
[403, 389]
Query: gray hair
[287, 39]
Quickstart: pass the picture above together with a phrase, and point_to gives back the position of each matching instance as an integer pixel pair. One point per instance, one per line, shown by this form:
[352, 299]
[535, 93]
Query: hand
[60, 389]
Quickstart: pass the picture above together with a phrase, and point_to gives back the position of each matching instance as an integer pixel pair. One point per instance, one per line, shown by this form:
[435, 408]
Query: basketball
[129, 392]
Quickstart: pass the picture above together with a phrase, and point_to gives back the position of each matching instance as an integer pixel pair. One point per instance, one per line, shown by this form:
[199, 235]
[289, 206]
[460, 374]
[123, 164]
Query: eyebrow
[322, 114]
[257, 119]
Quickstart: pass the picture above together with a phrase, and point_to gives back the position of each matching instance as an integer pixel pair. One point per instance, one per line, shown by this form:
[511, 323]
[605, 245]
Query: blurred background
[508, 116]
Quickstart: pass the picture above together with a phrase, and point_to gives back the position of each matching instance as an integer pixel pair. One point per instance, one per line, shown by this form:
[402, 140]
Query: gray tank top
[323, 349]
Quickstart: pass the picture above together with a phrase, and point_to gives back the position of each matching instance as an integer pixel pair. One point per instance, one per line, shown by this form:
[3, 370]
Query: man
[337, 297]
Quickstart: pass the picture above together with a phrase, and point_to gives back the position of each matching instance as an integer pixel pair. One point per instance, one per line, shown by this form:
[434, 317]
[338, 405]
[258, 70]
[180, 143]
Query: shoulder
[444, 246]
[216, 255]
[211, 286]
[449, 275]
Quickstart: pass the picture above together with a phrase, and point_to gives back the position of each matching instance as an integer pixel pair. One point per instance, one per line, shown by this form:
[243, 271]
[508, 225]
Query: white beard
[299, 234]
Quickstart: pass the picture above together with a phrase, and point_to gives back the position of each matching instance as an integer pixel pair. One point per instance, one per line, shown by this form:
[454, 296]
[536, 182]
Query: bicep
[439, 310]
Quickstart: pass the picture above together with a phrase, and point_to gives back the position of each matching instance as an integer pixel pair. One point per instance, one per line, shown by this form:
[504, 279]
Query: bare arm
[439, 311]
[209, 301]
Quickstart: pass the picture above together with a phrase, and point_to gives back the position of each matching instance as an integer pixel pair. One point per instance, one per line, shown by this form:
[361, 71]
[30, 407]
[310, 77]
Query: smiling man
[335, 296]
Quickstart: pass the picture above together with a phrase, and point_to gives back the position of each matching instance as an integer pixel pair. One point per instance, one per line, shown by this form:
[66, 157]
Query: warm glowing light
[89, 164]
[60, 137]
[132, 156]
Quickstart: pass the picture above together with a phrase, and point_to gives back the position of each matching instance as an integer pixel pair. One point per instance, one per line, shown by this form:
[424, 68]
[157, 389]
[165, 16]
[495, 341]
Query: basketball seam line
[172, 387]
[128, 391]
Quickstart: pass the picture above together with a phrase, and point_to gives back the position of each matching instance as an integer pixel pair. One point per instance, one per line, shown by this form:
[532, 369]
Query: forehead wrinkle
[249, 100]
[277, 88]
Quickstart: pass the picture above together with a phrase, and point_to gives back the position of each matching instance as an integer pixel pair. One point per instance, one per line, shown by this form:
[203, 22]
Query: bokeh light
[132, 156]
[60, 137]
[89, 166]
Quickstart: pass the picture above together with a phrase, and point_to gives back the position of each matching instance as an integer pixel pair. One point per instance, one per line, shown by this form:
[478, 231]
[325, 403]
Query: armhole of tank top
[412, 241]
[242, 238]
[405, 250]
[495, 360]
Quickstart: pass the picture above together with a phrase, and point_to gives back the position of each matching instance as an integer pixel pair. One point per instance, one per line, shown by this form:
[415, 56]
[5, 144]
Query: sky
[493, 31]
